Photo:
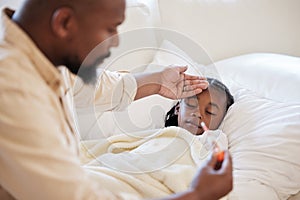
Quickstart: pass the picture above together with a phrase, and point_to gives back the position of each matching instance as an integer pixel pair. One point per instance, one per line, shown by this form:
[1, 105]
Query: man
[38, 144]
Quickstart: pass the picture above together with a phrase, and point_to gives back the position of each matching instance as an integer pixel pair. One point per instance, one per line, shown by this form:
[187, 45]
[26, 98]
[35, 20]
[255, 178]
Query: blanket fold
[147, 164]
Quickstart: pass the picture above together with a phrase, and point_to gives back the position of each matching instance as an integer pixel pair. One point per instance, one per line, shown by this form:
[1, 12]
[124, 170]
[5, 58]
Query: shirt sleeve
[113, 91]
[36, 158]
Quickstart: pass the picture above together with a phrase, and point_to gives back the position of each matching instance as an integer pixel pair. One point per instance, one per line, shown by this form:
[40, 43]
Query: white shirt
[39, 153]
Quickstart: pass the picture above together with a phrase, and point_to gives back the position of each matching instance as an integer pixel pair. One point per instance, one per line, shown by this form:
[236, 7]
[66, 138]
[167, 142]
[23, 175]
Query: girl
[210, 107]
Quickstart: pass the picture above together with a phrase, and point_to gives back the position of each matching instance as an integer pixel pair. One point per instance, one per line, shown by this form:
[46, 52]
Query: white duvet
[147, 164]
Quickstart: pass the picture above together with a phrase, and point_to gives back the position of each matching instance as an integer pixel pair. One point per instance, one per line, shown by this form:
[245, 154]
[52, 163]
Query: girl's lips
[193, 123]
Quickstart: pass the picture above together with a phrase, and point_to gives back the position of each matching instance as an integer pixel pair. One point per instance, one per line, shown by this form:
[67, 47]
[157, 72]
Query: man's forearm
[147, 84]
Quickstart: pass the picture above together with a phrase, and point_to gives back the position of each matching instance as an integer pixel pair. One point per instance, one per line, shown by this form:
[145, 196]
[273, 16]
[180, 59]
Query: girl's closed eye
[210, 112]
[191, 102]
[212, 108]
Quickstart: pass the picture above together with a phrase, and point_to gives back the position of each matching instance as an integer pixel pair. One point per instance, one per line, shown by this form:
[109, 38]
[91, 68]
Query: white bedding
[262, 126]
[147, 164]
[264, 143]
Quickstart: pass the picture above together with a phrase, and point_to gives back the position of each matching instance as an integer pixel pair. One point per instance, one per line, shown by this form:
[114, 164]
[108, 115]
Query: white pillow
[263, 124]
[264, 141]
[272, 76]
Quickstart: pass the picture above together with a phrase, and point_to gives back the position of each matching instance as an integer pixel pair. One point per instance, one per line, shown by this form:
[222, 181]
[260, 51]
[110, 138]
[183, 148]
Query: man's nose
[115, 40]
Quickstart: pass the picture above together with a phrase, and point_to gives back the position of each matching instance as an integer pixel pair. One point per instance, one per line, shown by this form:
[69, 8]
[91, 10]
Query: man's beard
[88, 73]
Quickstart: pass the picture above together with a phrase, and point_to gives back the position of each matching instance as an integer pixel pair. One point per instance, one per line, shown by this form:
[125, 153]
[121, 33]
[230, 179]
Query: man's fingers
[190, 93]
[181, 69]
[227, 163]
[212, 160]
[196, 83]
[189, 88]
[191, 77]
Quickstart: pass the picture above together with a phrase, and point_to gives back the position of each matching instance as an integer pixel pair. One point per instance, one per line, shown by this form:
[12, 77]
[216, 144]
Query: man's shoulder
[17, 71]
[12, 58]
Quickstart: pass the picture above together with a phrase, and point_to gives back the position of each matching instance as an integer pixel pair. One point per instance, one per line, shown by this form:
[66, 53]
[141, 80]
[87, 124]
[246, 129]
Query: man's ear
[63, 23]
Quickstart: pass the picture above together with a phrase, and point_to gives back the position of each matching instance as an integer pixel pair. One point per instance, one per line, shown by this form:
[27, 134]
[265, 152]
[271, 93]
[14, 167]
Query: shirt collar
[15, 36]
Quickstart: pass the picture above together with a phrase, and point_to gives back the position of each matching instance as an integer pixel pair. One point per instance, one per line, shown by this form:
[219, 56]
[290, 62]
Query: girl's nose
[198, 115]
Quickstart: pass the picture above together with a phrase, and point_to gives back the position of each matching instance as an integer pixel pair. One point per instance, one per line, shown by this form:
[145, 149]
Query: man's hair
[171, 118]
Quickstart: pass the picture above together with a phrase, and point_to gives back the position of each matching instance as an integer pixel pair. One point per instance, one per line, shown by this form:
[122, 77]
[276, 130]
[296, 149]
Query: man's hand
[175, 84]
[211, 184]
[171, 83]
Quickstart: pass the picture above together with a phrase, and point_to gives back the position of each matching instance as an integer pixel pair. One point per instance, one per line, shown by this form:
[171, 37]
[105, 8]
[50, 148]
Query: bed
[262, 126]
[261, 70]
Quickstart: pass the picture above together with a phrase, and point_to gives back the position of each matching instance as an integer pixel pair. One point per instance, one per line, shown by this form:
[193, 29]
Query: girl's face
[208, 107]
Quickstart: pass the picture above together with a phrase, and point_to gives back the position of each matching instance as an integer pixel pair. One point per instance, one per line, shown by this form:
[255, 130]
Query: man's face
[96, 35]
[208, 107]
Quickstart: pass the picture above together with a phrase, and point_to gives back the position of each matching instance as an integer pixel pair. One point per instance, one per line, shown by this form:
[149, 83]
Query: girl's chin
[195, 130]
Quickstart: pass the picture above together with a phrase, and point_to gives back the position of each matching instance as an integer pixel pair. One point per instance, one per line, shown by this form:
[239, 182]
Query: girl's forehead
[213, 94]
[206, 92]
[212, 91]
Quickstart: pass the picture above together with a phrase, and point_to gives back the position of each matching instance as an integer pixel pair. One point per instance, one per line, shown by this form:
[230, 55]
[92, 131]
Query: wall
[226, 28]
[10, 3]
[221, 28]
